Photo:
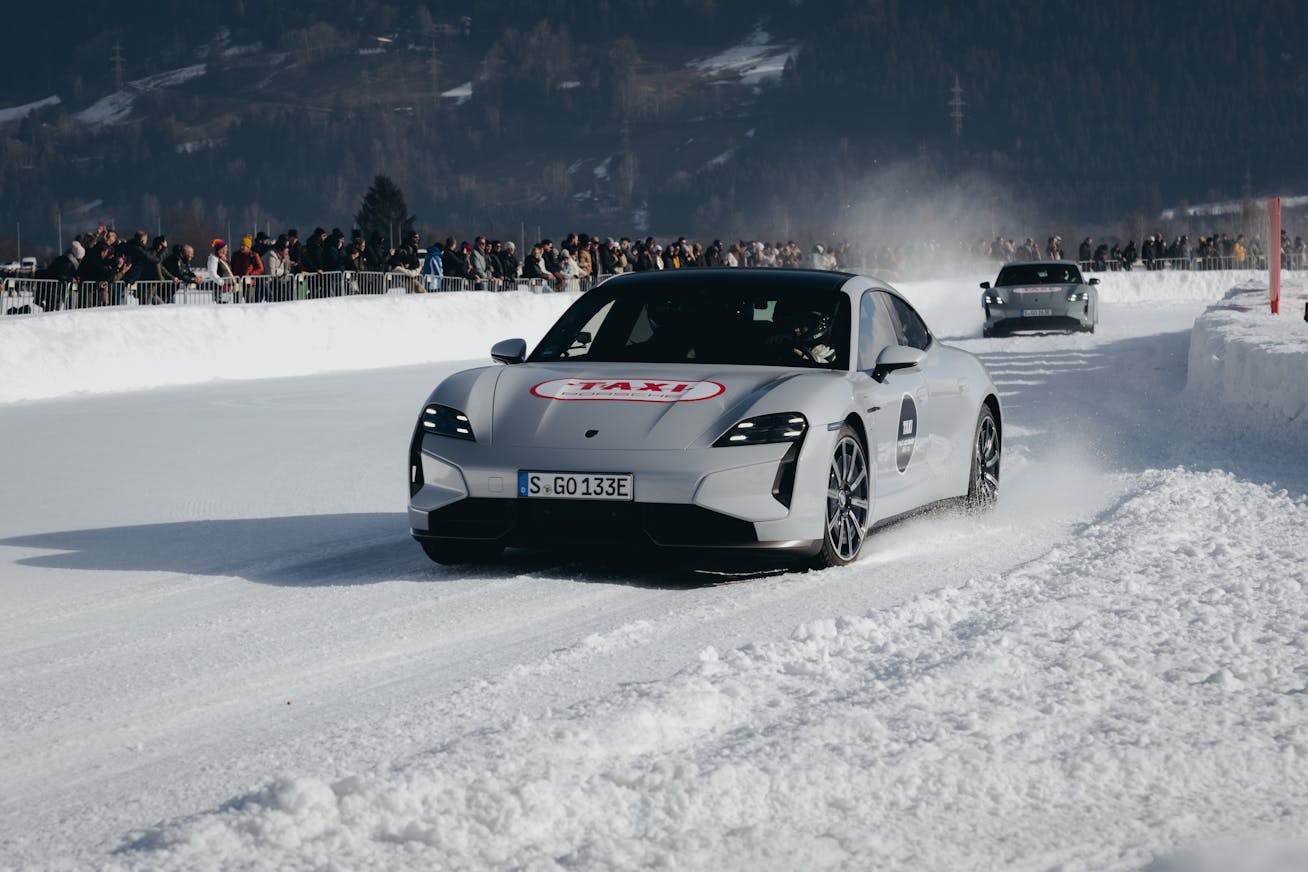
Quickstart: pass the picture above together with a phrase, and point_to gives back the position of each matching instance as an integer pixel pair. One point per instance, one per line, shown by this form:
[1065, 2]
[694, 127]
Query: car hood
[625, 406]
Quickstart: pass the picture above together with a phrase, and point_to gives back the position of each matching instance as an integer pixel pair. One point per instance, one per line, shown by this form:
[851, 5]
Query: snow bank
[1247, 358]
[1136, 286]
[952, 306]
[140, 347]
[1139, 286]
[1134, 696]
[133, 348]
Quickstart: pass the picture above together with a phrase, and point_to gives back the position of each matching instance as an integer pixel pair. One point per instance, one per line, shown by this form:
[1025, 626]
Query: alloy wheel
[985, 463]
[848, 505]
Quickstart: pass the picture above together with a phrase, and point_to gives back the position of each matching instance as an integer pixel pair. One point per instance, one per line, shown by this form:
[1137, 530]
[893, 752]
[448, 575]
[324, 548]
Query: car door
[891, 411]
[933, 393]
[947, 424]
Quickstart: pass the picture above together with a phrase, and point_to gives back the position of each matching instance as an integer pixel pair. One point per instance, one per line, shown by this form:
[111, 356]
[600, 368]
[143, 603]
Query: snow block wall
[1243, 356]
[131, 348]
[134, 348]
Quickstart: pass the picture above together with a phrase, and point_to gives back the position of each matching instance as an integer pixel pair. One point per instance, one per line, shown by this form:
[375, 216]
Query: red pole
[1274, 251]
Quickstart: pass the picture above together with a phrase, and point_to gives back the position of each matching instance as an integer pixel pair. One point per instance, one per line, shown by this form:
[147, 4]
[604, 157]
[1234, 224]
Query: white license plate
[577, 485]
[1036, 313]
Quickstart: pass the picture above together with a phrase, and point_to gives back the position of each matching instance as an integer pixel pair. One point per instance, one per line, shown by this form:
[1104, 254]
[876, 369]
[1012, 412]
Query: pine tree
[384, 210]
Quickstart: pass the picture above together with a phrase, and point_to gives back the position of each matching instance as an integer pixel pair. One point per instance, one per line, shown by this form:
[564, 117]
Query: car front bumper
[1061, 315]
[765, 497]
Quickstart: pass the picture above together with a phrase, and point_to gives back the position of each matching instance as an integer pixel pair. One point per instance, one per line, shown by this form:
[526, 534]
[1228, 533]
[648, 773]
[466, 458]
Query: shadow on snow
[334, 550]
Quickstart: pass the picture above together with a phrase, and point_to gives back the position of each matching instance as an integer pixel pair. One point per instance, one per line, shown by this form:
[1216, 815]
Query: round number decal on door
[907, 437]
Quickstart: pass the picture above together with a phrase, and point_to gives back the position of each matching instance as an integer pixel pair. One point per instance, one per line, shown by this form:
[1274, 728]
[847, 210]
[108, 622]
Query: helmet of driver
[813, 326]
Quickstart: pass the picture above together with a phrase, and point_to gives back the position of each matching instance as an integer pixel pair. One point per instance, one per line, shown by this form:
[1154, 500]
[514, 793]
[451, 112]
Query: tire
[849, 502]
[452, 552]
[983, 481]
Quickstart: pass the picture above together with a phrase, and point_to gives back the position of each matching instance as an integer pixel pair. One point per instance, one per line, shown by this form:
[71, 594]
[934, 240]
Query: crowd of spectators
[1155, 252]
[101, 264]
[581, 256]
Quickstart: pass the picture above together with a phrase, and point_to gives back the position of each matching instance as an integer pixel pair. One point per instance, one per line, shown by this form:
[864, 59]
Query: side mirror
[894, 357]
[985, 286]
[509, 351]
[1093, 282]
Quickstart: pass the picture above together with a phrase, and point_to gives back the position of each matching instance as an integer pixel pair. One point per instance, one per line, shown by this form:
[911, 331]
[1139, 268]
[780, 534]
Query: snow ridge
[128, 348]
[1253, 361]
[133, 347]
[1085, 711]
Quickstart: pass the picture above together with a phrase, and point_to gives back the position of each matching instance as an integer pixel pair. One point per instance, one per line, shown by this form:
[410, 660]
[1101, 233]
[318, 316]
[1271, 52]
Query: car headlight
[1075, 296]
[444, 421]
[993, 300]
[765, 429]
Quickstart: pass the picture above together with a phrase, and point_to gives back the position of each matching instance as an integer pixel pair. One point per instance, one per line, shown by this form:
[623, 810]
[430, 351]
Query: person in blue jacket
[433, 268]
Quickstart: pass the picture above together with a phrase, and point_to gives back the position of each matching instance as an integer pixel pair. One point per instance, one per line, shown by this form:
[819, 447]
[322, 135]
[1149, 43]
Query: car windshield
[1039, 274]
[775, 326]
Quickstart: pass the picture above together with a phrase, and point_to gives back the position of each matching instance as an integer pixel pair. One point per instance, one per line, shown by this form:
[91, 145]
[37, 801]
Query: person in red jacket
[246, 262]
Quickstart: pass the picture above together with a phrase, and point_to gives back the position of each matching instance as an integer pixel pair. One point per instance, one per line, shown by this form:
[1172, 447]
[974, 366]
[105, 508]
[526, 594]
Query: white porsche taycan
[777, 411]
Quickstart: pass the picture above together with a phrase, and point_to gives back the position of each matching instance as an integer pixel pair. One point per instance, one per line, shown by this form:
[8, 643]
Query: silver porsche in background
[1040, 295]
[706, 411]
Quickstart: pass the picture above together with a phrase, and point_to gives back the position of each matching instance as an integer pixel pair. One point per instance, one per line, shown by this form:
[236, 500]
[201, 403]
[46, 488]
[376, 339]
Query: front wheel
[983, 484]
[849, 501]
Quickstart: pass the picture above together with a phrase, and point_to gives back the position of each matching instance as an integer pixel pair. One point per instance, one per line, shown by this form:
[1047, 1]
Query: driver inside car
[802, 334]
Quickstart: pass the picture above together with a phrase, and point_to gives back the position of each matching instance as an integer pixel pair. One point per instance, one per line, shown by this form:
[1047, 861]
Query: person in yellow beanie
[246, 262]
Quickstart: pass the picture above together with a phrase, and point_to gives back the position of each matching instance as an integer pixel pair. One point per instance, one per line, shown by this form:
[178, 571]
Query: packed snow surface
[219, 648]
[965, 725]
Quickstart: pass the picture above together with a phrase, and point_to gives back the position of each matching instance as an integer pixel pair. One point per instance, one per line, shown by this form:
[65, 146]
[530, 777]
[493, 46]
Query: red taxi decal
[627, 389]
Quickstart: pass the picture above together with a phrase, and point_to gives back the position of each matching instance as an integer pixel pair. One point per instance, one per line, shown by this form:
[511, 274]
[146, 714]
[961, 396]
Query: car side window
[913, 331]
[876, 330]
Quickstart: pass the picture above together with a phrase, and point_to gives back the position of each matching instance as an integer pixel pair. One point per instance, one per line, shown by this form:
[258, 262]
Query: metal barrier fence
[23, 296]
[1197, 264]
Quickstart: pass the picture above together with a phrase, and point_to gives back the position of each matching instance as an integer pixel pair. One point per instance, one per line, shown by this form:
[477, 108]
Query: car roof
[1042, 263]
[731, 277]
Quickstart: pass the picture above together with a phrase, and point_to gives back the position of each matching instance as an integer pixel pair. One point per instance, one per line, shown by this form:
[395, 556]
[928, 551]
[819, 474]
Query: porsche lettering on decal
[629, 389]
[907, 433]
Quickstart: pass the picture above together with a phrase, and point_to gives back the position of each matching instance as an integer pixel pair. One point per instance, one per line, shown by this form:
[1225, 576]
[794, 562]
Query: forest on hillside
[591, 115]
